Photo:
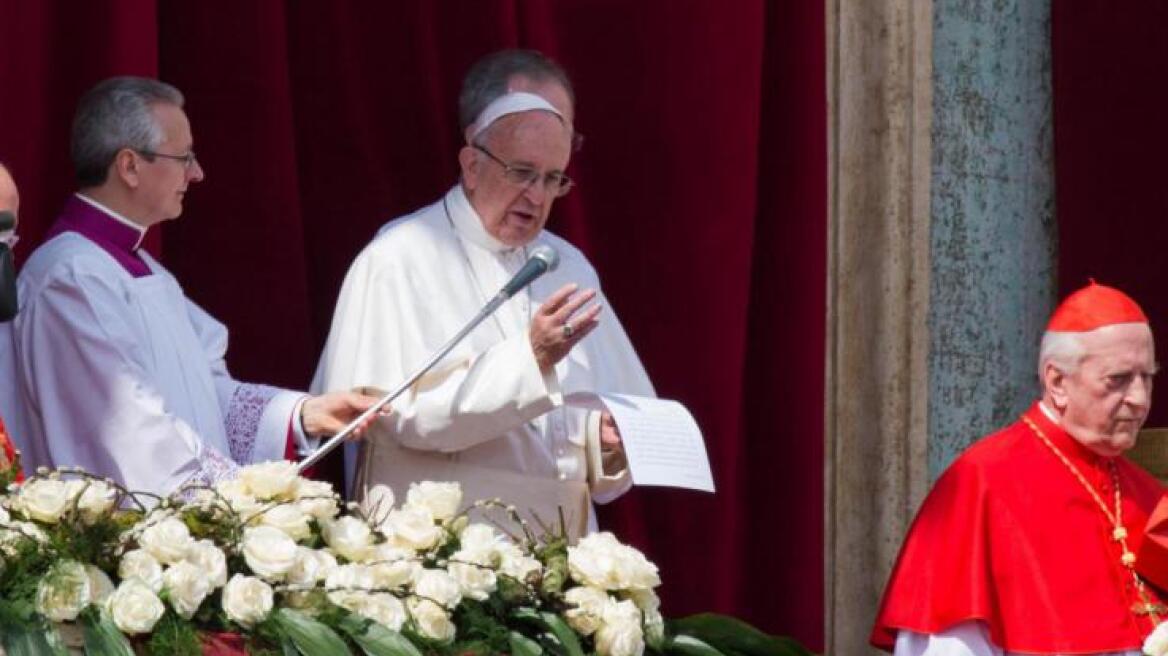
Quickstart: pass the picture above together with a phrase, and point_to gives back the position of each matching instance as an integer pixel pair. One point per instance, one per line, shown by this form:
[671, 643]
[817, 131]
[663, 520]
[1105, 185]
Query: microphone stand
[352, 426]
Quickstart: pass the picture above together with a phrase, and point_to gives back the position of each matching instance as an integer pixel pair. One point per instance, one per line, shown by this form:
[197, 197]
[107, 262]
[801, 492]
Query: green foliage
[565, 638]
[375, 639]
[102, 638]
[729, 635]
[174, 635]
[521, 645]
[310, 637]
[481, 623]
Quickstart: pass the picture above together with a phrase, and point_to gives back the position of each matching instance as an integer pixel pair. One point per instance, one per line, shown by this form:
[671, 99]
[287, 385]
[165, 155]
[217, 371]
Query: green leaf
[31, 642]
[730, 635]
[521, 645]
[559, 628]
[690, 646]
[376, 639]
[310, 637]
[102, 637]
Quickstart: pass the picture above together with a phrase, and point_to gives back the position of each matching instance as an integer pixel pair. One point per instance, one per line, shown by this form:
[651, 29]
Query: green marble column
[993, 232]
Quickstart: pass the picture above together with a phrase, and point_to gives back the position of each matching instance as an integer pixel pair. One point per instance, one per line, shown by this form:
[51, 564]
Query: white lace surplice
[126, 377]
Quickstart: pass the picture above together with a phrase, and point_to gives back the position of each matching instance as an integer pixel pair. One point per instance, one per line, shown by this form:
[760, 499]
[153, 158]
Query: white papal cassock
[485, 416]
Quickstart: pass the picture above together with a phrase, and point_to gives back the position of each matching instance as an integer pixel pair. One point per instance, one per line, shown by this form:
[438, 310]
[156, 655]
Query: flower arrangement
[275, 564]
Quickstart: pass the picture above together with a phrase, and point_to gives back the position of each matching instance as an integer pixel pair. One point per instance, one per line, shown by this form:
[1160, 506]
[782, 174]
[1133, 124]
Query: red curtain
[701, 201]
[1110, 66]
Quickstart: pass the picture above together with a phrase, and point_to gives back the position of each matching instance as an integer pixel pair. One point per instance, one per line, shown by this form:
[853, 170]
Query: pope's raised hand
[327, 414]
[556, 327]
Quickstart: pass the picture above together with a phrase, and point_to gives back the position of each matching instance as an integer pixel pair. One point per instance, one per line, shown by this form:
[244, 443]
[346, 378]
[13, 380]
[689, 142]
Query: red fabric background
[1110, 66]
[701, 201]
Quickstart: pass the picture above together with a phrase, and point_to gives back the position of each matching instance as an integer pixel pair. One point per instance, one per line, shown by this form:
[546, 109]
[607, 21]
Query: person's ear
[468, 163]
[1055, 383]
[126, 166]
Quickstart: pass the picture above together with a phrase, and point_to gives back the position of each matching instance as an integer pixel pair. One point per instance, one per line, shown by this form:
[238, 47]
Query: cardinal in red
[1030, 542]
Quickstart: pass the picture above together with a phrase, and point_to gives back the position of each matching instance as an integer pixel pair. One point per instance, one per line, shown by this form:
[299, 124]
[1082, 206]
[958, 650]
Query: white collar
[1048, 412]
[469, 225]
[115, 216]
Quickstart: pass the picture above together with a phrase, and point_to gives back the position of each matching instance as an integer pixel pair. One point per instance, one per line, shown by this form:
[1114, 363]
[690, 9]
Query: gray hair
[487, 80]
[1062, 349]
[114, 115]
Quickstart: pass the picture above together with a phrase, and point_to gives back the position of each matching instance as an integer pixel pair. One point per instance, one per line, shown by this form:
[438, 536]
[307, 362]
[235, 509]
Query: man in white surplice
[492, 414]
[113, 368]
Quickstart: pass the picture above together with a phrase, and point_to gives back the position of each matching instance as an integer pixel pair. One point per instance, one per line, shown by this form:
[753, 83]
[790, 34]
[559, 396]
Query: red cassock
[9, 450]
[1010, 537]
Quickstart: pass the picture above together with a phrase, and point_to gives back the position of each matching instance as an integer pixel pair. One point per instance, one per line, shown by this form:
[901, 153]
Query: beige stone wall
[880, 100]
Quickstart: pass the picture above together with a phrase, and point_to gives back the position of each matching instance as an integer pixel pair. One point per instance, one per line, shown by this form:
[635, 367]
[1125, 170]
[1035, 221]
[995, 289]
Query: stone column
[879, 96]
[941, 271]
[994, 234]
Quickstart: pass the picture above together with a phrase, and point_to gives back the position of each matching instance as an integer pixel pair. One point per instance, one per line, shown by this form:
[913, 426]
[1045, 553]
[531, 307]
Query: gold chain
[1118, 532]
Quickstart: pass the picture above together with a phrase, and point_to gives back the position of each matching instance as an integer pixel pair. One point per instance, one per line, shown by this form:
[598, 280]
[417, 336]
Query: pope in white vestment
[485, 416]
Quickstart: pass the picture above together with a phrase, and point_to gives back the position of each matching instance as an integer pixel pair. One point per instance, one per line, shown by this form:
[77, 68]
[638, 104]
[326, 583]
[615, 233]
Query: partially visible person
[1027, 544]
[9, 214]
[117, 371]
[493, 414]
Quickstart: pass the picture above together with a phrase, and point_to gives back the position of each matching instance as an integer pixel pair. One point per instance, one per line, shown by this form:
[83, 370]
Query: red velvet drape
[1110, 66]
[701, 201]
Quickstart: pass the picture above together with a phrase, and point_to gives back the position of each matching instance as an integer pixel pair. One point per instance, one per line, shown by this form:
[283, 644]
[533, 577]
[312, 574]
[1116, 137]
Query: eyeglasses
[554, 182]
[188, 160]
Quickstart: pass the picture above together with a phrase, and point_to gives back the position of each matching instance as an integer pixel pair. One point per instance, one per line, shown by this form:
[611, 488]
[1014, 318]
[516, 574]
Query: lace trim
[213, 467]
[243, 419]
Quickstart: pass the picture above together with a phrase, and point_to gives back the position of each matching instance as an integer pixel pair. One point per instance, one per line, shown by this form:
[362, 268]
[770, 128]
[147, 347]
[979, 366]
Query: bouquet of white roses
[277, 561]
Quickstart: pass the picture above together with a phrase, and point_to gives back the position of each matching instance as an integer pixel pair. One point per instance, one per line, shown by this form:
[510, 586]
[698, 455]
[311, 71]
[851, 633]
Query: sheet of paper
[661, 439]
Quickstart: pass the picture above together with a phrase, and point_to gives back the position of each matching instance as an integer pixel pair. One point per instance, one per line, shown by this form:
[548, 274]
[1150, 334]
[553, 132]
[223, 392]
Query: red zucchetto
[1095, 306]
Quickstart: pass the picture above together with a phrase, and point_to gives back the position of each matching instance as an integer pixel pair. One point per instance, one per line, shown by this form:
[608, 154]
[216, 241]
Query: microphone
[542, 259]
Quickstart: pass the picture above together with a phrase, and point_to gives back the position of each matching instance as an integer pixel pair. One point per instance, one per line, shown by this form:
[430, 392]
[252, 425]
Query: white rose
[64, 591]
[211, 560]
[393, 574]
[168, 541]
[349, 537]
[620, 634]
[242, 502]
[97, 499]
[431, 619]
[268, 480]
[477, 582]
[141, 566]
[588, 612]
[600, 560]
[269, 552]
[186, 587]
[377, 503]
[413, 528]
[311, 566]
[46, 499]
[134, 607]
[381, 607]
[478, 538]
[650, 605]
[349, 577]
[4, 516]
[438, 586]
[516, 564]
[100, 585]
[288, 518]
[16, 533]
[316, 498]
[1156, 644]
[247, 600]
[442, 500]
